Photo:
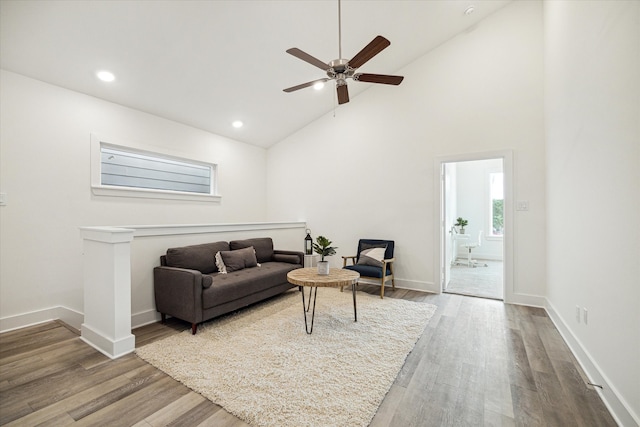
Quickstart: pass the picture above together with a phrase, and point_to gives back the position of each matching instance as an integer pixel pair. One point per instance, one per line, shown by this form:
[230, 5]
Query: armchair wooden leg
[194, 328]
[382, 288]
[393, 277]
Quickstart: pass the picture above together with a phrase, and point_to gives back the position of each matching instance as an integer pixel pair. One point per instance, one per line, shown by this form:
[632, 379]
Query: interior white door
[447, 220]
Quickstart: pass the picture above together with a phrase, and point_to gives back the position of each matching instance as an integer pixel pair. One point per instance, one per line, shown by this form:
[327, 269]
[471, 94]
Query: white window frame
[97, 142]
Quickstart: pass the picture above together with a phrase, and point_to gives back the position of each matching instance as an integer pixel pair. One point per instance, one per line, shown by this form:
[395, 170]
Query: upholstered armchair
[374, 261]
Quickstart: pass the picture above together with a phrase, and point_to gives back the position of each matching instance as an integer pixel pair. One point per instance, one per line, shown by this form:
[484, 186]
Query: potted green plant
[323, 247]
[462, 223]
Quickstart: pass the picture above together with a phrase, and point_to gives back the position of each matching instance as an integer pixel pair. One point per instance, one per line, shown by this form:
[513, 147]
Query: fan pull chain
[335, 103]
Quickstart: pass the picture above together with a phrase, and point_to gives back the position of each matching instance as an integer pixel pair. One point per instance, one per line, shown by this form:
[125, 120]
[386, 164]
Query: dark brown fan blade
[372, 49]
[378, 78]
[303, 85]
[343, 94]
[308, 58]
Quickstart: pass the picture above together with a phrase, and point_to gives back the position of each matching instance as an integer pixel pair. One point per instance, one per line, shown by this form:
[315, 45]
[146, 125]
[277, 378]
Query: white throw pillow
[220, 263]
[372, 257]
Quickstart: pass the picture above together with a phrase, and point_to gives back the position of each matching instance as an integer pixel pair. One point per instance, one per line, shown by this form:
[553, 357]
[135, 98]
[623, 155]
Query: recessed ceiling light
[237, 124]
[106, 76]
[318, 85]
[469, 10]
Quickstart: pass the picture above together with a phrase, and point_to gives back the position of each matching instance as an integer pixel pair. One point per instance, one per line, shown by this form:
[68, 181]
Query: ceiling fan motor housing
[339, 69]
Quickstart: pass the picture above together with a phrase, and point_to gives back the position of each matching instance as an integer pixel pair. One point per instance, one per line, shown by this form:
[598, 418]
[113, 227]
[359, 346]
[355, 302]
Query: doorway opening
[472, 228]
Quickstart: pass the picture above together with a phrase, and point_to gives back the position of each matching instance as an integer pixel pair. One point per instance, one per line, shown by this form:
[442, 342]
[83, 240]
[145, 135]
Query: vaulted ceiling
[208, 63]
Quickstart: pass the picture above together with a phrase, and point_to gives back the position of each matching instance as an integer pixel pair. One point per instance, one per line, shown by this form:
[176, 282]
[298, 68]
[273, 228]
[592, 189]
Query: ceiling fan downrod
[339, 31]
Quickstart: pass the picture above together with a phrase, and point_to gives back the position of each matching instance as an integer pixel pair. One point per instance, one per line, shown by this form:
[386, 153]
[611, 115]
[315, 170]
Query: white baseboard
[525, 299]
[112, 348]
[462, 256]
[71, 317]
[144, 318]
[619, 408]
[412, 285]
[417, 285]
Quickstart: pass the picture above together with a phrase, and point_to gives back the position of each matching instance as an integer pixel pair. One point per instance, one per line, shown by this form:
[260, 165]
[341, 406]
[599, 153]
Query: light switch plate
[3, 199]
[522, 205]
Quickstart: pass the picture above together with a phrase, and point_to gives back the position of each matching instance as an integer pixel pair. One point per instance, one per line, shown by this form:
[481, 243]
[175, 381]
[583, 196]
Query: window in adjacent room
[131, 172]
[496, 203]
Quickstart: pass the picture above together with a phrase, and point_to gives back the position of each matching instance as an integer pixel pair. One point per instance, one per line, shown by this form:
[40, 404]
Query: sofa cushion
[291, 259]
[196, 257]
[239, 284]
[262, 245]
[368, 270]
[229, 261]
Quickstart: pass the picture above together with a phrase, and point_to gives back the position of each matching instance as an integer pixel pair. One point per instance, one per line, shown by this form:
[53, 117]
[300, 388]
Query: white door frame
[439, 227]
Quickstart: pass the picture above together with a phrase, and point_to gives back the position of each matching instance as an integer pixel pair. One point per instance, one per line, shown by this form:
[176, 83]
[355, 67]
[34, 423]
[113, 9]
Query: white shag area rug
[260, 364]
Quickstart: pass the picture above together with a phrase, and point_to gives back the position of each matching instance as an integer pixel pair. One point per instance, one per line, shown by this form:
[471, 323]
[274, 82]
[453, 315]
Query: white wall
[473, 205]
[592, 64]
[44, 169]
[368, 171]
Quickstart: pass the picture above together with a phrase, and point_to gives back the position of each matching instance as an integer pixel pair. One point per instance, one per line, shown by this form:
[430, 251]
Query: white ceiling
[208, 63]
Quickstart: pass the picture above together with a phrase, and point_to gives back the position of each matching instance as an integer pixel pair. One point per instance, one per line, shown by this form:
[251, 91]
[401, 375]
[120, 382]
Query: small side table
[337, 277]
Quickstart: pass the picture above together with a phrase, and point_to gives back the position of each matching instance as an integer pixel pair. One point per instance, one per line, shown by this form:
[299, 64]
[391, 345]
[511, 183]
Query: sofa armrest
[297, 254]
[178, 292]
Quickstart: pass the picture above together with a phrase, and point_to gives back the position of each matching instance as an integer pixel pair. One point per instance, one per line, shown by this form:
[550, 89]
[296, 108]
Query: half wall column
[107, 290]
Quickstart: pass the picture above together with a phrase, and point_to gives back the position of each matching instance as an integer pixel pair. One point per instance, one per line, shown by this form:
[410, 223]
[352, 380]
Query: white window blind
[127, 169]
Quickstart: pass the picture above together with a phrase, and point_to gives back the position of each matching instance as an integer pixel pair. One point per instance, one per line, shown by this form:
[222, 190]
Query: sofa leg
[194, 328]
[163, 318]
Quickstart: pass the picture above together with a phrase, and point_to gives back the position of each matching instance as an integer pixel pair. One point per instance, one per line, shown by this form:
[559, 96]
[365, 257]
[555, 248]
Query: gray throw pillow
[262, 245]
[372, 256]
[228, 261]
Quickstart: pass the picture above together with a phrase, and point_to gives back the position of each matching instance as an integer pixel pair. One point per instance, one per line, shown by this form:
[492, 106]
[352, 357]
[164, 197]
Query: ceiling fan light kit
[342, 69]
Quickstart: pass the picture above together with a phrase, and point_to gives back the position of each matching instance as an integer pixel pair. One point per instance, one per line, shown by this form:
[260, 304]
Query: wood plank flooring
[479, 362]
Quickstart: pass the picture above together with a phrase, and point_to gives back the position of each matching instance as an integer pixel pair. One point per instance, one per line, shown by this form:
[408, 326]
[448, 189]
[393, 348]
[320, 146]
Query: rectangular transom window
[127, 169]
[119, 170]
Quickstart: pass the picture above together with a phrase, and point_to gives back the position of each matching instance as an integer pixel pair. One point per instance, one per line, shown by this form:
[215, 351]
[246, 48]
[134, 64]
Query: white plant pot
[323, 268]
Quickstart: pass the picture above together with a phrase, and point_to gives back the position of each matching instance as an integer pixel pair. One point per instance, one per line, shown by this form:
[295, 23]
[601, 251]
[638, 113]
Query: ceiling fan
[342, 69]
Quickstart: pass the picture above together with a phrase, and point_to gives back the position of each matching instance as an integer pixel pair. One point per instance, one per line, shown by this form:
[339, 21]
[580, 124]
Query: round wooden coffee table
[309, 277]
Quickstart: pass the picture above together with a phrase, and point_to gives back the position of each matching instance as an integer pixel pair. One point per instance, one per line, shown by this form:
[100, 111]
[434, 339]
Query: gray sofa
[190, 285]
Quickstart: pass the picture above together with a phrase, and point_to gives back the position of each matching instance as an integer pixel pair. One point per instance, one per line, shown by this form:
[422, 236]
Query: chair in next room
[473, 245]
[374, 261]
